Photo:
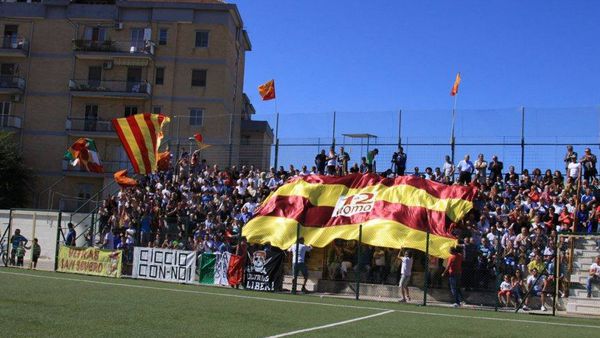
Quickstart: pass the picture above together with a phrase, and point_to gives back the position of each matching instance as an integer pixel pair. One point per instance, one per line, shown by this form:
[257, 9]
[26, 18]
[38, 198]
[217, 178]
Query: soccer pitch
[35, 303]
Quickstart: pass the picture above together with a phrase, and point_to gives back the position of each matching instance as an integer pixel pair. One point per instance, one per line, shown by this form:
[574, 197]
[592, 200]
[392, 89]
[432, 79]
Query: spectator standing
[589, 165]
[406, 271]
[448, 168]
[371, 163]
[343, 160]
[495, 168]
[594, 277]
[454, 273]
[574, 169]
[481, 166]
[331, 162]
[569, 157]
[298, 260]
[363, 165]
[465, 169]
[400, 162]
[71, 235]
[16, 241]
[320, 162]
[36, 251]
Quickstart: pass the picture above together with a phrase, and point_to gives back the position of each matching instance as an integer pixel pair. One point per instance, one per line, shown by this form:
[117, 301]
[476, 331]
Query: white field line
[448, 315]
[331, 325]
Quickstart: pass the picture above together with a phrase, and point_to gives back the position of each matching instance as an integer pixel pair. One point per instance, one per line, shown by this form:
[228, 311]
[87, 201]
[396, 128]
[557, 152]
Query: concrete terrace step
[582, 293]
[586, 306]
[581, 253]
[581, 278]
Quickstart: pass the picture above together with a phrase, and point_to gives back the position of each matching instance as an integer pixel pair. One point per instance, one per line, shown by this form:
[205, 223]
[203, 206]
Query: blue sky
[372, 58]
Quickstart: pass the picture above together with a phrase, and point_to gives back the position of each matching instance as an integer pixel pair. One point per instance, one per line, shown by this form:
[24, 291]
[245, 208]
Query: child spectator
[505, 291]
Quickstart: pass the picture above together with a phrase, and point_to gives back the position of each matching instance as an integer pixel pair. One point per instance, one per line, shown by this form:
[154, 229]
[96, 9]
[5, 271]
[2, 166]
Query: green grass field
[35, 303]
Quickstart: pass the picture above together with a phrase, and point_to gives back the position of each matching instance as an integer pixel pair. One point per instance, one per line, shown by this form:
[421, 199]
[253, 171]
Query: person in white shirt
[594, 276]
[535, 285]
[481, 167]
[465, 169]
[299, 251]
[574, 169]
[448, 170]
[406, 271]
[505, 291]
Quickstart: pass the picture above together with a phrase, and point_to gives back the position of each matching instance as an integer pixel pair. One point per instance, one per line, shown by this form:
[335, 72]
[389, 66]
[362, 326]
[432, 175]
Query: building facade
[67, 68]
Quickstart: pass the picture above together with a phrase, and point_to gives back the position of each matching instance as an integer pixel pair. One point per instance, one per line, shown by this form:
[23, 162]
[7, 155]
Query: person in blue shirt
[16, 241]
[146, 228]
[71, 235]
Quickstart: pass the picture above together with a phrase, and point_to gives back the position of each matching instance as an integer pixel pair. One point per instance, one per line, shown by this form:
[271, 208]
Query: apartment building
[67, 68]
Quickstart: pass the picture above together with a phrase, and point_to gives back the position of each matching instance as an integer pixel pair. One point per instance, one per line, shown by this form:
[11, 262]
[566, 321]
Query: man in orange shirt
[454, 271]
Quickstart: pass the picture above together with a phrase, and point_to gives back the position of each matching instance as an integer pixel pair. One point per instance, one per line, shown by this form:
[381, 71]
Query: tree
[15, 177]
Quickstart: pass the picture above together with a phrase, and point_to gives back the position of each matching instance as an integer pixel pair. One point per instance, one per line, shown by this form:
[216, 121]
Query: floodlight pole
[399, 128]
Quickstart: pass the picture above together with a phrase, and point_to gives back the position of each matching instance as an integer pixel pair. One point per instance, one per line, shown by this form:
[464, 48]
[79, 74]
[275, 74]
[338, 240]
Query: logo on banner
[354, 204]
[259, 261]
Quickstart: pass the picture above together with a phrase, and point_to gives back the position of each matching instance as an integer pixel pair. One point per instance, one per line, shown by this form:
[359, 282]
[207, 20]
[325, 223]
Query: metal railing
[112, 46]
[136, 87]
[15, 42]
[11, 81]
[88, 124]
[10, 121]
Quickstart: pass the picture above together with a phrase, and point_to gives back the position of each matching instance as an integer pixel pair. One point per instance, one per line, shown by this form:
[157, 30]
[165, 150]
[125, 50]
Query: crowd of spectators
[511, 230]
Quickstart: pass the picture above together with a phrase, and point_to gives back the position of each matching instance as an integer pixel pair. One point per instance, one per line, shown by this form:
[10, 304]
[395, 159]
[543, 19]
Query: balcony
[14, 46]
[10, 84]
[110, 167]
[89, 127]
[122, 53]
[110, 89]
[10, 122]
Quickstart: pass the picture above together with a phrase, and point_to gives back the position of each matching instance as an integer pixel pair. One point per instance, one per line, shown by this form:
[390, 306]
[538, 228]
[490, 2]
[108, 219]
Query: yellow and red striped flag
[454, 90]
[394, 213]
[141, 135]
[267, 90]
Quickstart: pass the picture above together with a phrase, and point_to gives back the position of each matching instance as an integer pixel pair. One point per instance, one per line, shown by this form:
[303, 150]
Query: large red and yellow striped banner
[394, 213]
[141, 135]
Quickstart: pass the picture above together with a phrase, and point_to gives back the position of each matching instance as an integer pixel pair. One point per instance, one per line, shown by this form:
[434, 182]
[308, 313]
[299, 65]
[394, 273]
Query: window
[94, 34]
[4, 112]
[91, 117]
[201, 39]
[196, 115]
[199, 78]
[94, 76]
[160, 76]
[137, 39]
[162, 36]
[156, 109]
[130, 110]
[8, 69]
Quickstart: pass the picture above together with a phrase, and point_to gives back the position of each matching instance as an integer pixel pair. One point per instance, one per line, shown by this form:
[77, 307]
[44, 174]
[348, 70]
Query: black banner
[264, 271]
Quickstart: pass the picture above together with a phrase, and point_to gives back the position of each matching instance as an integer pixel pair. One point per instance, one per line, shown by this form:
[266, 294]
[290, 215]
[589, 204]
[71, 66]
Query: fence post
[497, 265]
[522, 138]
[426, 279]
[8, 243]
[91, 244]
[58, 230]
[358, 265]
[556, 275]
[295, 261]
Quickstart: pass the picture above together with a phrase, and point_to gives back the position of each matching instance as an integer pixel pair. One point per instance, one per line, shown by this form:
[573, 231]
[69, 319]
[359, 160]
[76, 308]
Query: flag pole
[276, 134]
[452, 138]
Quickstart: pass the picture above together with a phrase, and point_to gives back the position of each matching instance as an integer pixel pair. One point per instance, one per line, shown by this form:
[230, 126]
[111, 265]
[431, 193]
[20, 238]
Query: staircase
[583, 256]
